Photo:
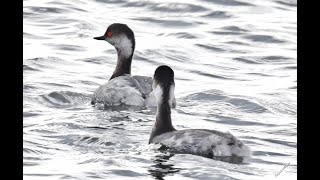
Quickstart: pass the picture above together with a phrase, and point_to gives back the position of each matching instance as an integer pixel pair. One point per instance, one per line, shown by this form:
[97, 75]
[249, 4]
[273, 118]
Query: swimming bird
[122, 88]
[203, 142]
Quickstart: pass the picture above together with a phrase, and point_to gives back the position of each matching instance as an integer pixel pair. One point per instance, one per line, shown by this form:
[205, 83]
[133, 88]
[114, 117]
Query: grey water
[235, 64]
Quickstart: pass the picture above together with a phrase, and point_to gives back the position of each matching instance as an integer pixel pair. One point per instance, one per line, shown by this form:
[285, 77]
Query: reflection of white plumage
[203, 142]
[122, 88]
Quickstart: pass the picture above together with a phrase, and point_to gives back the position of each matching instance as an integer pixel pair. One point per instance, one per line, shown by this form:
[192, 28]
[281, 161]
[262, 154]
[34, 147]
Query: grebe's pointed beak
[100, 38]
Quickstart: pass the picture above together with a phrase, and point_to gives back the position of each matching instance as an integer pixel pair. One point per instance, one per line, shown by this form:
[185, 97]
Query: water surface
[235, 66]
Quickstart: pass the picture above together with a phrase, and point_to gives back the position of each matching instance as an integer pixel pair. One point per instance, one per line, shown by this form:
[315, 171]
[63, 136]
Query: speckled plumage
[208, 143]
[121, 90]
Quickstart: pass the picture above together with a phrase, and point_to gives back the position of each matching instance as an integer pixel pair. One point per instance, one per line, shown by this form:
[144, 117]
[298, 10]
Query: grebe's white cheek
[125, 44]
[153, 84]
[158, 92]
[111, 41]
[171, 94]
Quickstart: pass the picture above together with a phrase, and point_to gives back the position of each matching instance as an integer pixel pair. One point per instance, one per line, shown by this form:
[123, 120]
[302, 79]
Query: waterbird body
[203, 142]
[122, 88]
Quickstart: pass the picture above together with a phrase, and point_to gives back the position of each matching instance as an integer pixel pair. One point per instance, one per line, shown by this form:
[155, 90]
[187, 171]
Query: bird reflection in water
[161, 168]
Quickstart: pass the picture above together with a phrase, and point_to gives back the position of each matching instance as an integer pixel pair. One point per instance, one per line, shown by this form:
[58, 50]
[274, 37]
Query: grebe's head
[163, 84]
[121, 37]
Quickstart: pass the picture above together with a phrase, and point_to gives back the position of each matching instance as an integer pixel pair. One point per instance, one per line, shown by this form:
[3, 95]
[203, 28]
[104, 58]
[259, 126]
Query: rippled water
[235, 66]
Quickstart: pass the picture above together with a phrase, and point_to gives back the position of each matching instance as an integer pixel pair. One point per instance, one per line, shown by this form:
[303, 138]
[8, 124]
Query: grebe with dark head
[203, 142]
[122, 88]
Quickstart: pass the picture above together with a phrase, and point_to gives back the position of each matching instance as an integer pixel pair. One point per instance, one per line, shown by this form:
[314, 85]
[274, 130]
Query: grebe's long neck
[123, 65]
[163, 122]
[163, 118]
[125, 49]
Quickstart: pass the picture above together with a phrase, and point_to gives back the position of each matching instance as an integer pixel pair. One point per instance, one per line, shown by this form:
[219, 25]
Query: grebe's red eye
[109, 34]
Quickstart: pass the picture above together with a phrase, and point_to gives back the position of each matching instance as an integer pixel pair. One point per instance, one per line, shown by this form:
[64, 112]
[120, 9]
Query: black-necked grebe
[122, 88]
[203, 142]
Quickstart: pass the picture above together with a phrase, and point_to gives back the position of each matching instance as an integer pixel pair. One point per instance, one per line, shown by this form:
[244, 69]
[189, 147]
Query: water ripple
[230, 30]
[183, 35]
[210, 75]
[242, 104]
[290, 3]
[178, 7]
[65, 98]
[167, 23]
[218, 15]
[41, 10]
[263, 39]
[229, 2]
[245, 60]
[211, 47]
